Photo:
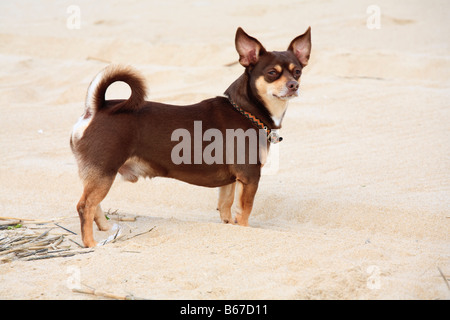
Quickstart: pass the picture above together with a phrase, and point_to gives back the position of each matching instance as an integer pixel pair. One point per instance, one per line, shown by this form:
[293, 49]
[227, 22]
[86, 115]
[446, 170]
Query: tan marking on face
[270, 93]
[278, 68]
[291, 67]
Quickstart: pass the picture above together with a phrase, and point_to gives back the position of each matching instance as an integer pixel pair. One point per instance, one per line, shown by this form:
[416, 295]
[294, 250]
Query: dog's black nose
[292, 85]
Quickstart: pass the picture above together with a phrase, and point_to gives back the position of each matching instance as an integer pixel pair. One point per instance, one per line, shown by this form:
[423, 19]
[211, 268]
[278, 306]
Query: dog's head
[274, 76]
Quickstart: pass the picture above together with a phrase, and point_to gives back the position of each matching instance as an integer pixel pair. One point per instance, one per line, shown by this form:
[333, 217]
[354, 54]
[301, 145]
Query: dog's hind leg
[226, 198]
[100, 220]
[95, 190]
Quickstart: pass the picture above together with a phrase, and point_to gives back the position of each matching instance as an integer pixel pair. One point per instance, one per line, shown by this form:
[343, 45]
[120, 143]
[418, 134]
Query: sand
[358, 208]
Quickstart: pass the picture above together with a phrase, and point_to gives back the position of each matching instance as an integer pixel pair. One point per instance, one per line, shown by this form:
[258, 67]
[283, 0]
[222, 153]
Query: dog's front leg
[226, 198]
[245, 195]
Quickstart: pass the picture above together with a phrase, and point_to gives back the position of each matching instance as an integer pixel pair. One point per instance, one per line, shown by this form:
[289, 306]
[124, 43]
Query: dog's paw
[240, 221]
[229, 221]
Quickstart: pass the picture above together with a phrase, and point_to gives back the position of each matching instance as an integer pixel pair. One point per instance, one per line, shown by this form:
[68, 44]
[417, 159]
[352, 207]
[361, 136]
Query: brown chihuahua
[137, 138]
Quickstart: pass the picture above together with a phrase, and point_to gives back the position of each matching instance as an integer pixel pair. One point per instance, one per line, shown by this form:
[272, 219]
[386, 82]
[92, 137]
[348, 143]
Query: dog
[137, 138]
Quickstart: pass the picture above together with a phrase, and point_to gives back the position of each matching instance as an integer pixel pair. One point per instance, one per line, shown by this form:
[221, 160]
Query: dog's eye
[297, 73]
[272, 73]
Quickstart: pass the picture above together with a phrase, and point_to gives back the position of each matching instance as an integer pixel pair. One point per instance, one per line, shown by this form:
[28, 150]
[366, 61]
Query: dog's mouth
[286, 96]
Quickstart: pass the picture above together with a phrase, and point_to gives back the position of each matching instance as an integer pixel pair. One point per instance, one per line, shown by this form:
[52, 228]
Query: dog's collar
[272, 135]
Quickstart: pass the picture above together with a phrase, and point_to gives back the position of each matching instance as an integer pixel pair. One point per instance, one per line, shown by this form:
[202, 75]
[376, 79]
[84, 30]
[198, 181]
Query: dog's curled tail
[95, 98]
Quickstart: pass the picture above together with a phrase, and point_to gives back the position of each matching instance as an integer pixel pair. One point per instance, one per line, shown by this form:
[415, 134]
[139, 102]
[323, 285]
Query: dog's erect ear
[301, 47]
[249, 48]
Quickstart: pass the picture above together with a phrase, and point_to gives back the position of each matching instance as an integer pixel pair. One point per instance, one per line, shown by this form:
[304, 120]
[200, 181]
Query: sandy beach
[359, 207]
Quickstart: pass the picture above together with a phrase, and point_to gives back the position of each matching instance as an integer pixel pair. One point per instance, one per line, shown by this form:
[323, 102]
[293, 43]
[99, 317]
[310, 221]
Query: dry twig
[443, 277]
[103, 294]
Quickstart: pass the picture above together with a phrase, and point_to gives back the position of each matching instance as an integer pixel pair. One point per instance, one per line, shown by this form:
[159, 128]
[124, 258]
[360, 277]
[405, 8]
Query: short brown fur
[133, 137]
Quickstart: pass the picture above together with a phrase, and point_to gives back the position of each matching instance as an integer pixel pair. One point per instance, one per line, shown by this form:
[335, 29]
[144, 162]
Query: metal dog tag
[274, 137]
